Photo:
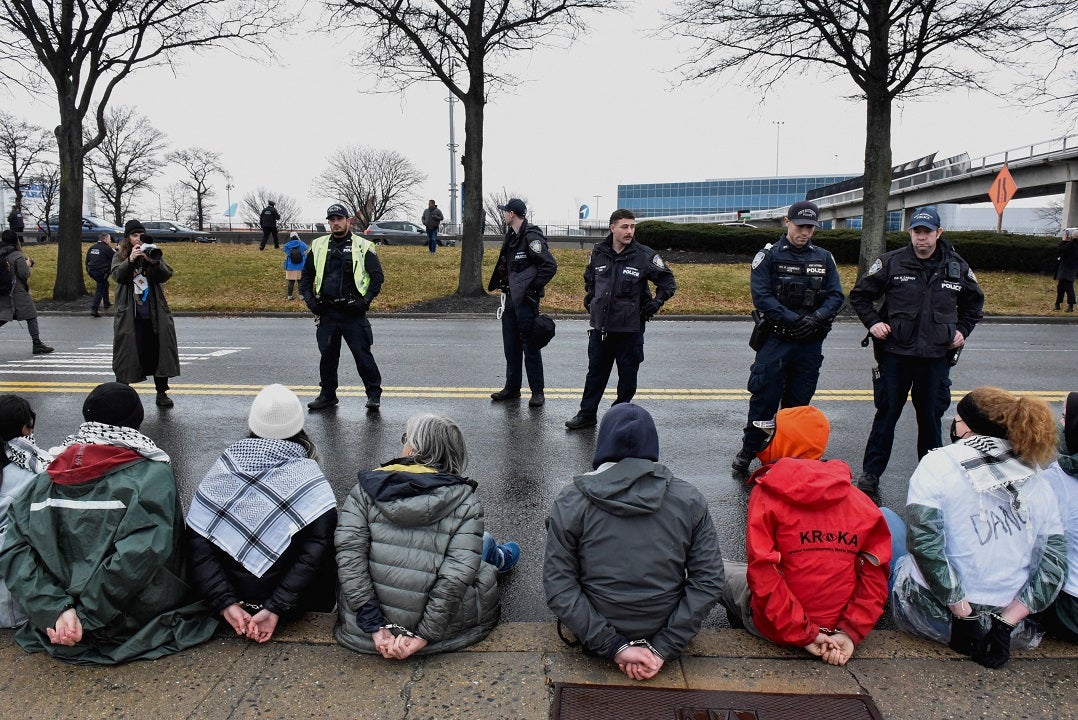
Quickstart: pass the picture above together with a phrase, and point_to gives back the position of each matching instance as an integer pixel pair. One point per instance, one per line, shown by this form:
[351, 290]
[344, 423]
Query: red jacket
[818, 552]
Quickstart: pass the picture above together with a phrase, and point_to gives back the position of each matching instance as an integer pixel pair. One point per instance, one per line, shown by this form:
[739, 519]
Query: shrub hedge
[983, 250]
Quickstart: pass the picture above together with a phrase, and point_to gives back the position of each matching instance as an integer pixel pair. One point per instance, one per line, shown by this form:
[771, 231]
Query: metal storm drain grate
[614, 702]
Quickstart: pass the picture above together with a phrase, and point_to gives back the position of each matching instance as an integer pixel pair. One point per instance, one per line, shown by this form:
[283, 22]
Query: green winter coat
[125, 358]
[109, 545]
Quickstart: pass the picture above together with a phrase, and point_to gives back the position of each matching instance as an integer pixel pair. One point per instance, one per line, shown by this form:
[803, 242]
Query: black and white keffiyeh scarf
[256, 496]
[95, 433]
[24, 452]
[993, 469]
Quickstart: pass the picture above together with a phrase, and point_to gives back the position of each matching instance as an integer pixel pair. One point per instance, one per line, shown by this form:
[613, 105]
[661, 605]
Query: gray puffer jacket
[632, 554]
[409, 552]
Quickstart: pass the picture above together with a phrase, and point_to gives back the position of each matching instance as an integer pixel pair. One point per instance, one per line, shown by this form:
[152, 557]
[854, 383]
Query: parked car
[91, 228]
[400, 232]
[166, 230]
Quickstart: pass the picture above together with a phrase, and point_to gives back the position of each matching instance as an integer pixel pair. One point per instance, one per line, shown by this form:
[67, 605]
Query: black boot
[41, 348]
[1057, 307]
[1070, 308]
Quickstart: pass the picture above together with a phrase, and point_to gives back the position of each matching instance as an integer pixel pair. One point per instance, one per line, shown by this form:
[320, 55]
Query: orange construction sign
[1002, 190]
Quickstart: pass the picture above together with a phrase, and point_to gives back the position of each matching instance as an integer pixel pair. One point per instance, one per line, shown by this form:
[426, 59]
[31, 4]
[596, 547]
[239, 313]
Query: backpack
[295, 256]
[7, 273]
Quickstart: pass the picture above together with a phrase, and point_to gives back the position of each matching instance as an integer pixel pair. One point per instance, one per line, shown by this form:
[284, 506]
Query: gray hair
[438, 442]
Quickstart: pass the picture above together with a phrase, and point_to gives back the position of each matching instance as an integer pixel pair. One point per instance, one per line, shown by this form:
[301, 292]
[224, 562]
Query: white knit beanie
[276, 413]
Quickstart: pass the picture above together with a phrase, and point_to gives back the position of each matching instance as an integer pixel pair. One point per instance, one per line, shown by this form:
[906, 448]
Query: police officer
[267, 220]
[522, 270]
[341, 276]
[931, 304]
[98, 266]
[619, 301]
[797, 292]
[15, 221]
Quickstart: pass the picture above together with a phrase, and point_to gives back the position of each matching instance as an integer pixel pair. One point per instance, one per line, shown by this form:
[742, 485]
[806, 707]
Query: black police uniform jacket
[925, 302]
[99, 260]
[789, 282]
[524, 266]
[616, 285]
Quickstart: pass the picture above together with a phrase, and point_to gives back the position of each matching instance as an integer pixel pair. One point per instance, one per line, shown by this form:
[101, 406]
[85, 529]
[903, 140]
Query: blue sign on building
[584, 212]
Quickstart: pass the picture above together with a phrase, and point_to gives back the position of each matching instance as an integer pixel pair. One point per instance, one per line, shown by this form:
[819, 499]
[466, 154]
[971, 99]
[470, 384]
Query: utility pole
[452, 158]
[778, 130]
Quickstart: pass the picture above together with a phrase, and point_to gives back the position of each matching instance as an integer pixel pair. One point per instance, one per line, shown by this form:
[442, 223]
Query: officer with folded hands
[797, 292]
[341, 276]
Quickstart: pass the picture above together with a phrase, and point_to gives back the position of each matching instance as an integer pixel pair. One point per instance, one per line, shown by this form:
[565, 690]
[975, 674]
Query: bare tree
[84, 50]
[47, 192]
[199, 164]
[889, 48]
[253, 202]
[426, 40]
[126, 160]
[178, 205]
[495, 219]
[375, 183]
[1051, 214]
[23, 146]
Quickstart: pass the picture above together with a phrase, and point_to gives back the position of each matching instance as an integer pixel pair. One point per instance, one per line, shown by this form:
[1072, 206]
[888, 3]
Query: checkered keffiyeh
[256, 496]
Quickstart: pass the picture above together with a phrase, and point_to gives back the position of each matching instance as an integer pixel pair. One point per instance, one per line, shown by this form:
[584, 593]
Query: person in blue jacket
[295, 250]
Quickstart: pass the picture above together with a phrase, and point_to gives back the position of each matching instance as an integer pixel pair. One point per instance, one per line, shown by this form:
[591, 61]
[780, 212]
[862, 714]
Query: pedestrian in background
[619, 303]
[267, 220]
[16, 303]
[523, 268]
[341, 277]
[143, 333]
[98, 265]
[294, 252]
[796, 292]
[1068, 268]
[15, 221]
[432, 218]
[931, 303]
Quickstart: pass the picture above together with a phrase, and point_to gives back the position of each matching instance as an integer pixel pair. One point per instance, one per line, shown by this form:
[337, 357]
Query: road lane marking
[96, 360]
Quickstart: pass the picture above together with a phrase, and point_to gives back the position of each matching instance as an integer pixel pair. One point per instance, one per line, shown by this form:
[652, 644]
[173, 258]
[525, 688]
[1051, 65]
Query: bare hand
[383, 641]
[959, 340]
[818, 645]
[261, 627]
[68, 630]
[136, 253]
[880, 330]
[237, 618]
[638, 663]
[839, 649]
[405, 645]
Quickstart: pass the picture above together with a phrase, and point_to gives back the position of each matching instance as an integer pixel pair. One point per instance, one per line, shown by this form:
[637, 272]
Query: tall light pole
[778, 130]
[228, 195]
[452, 157]
[596, 206]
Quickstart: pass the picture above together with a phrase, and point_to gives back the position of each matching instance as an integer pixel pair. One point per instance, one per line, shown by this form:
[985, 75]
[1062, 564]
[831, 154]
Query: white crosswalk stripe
[96, 360]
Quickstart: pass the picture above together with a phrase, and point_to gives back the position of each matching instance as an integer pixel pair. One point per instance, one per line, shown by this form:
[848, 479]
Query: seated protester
[632, 559]
[94, 545]
[22, 460]
[1061, 617]
[260, 528]
[417, 572]
[986, 546]
[823, 591]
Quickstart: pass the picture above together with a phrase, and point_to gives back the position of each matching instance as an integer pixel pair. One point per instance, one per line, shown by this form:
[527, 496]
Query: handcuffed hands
[638, 663]
[993, 650]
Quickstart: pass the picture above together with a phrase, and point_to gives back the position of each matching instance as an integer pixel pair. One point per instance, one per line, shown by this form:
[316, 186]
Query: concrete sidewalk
[305, 674]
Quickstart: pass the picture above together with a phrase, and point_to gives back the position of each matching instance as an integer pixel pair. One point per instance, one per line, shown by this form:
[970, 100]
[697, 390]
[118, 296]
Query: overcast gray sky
[605, 111]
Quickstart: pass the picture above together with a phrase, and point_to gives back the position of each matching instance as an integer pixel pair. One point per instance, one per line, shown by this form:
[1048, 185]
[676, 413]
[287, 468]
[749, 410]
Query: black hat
[627, 431]
[542, 332]
[1070, 422]
[804, 212]
[9, 237]
[133, 226]
[113, 403]
[337, 210]
[515, 206]
[977, 420]
[271, 203]
[925, 217]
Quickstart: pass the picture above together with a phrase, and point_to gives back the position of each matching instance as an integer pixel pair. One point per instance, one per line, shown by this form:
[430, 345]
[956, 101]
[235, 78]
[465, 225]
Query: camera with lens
[151, 251]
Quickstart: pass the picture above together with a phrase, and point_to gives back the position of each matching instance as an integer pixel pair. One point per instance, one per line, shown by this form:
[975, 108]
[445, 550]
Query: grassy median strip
[227, 278]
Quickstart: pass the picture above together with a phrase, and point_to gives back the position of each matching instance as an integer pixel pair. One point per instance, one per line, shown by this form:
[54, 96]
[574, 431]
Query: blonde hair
[1028, 421]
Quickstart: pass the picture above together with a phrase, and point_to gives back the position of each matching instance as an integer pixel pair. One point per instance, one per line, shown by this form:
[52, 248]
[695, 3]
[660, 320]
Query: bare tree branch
[199, 164]
[374, 183]
[287, 206]
[126, 160]
[23, 147]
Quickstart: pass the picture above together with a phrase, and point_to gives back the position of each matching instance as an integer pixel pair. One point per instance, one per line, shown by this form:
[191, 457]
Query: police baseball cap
[804, 212]
[336, 209]
[515, 206]
[925, 217]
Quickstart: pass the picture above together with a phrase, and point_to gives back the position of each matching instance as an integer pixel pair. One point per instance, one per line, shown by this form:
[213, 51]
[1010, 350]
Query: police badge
[658, 262]
[535, 246]
[875, 267]
[758, 259]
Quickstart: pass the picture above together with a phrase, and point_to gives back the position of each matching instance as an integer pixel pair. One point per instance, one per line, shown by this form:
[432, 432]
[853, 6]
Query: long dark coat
[19, 305]
[125, 359]
[1068, 260]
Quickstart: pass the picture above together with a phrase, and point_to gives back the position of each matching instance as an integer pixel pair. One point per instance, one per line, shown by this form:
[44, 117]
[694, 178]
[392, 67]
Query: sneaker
[506, 557]
[580, 421]
[742, 461]
[505, 394]
[869, 484]
[41, 348]
[322, 402]
[374, 403]
[164, 401]
[537, 400]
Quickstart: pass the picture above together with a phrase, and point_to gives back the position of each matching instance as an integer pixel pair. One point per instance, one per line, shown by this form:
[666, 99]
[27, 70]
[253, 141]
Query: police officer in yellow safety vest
[341, 276]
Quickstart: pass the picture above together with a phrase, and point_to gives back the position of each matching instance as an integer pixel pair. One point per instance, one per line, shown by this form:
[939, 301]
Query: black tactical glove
[587, 302]
[650, 308]
[806, 327]
[356, 305]
[315, 306]
[965, 633]
[994, 649]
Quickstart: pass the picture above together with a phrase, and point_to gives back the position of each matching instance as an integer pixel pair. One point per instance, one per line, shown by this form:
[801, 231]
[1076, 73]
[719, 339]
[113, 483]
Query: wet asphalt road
[692, 381]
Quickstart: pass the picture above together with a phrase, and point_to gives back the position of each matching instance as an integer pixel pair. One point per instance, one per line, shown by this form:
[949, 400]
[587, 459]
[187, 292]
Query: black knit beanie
[113, 403]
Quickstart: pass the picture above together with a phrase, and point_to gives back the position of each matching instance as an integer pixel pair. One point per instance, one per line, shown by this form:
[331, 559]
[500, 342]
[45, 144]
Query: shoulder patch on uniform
[970, 275]
[658, 261]
[875, 267]
[758, 259]
[536, 246]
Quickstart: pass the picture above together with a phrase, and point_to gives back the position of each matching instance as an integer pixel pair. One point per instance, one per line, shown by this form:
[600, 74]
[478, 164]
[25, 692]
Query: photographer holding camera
[341, 276]
[144, 335]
